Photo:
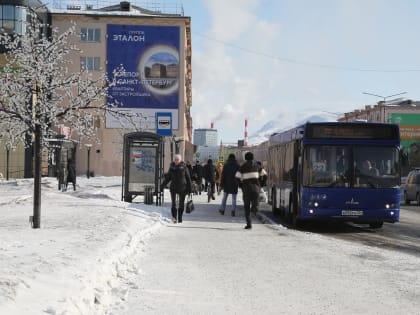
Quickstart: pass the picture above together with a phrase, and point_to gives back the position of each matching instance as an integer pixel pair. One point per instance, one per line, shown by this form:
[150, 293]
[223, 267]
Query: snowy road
[210, 265]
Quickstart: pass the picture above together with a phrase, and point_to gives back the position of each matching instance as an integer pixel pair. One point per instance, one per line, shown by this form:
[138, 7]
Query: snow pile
[71, 265]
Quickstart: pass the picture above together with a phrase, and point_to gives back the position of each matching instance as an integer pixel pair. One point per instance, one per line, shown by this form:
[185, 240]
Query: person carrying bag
[189, 206]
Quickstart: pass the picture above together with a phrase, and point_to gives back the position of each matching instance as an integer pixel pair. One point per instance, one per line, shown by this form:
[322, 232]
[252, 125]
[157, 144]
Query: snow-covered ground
[92, 248]
[71, 265]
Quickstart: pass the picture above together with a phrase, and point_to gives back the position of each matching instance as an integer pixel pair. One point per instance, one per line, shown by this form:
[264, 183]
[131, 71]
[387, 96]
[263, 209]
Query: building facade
[405, 113]
[205, 137]
[15, 16]
[155, 50]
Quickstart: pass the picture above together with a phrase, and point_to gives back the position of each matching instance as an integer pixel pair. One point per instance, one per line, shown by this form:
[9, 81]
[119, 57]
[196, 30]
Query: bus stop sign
[164, 124]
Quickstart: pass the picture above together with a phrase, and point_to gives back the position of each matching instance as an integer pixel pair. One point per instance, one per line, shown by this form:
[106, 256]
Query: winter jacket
[198, 172]
[71, 175]
[210, 172]
[229, 183]
[249, 174]
[179, 177]
[219, 171]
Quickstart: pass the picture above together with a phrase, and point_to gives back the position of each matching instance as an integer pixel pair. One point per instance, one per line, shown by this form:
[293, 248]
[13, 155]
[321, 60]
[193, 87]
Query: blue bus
[346, 171]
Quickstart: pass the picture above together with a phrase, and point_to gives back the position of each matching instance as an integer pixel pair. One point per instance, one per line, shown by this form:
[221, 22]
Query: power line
[304, 63]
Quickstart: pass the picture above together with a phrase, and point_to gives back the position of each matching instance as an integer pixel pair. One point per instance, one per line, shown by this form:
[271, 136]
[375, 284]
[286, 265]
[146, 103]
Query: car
[412, 187]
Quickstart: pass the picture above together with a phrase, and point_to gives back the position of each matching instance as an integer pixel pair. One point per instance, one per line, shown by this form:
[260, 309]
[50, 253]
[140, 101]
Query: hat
[249, 156]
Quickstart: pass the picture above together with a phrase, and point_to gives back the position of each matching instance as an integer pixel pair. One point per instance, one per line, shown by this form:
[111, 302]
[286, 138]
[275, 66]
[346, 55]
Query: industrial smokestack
[246, 133]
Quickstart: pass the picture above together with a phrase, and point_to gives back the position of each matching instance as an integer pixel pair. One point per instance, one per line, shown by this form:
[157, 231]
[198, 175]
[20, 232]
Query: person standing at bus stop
[71, 174]
[248, 175]
[179, 177]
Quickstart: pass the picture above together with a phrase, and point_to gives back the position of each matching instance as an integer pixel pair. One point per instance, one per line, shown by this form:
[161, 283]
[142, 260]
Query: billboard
[142, 167]
[150, 82]
[410, 136]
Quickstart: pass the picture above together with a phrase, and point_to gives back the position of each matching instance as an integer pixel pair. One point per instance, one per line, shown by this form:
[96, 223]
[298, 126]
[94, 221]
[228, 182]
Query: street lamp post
[88, 146]
[384, 97]
[384, 100]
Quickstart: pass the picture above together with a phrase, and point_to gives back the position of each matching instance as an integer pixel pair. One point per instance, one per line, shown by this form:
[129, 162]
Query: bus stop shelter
[143, 167]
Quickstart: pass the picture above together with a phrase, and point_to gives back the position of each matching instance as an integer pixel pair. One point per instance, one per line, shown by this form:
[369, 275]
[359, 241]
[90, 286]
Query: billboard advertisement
[410, 137]
[142, 167]
[150, 82]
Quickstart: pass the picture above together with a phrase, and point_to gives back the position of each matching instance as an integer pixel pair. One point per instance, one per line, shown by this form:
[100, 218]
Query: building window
[13, 19]
[90, 63]
[90, 35]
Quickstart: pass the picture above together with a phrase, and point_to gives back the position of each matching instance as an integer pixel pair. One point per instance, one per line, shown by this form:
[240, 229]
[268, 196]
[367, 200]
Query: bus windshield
[350, 166]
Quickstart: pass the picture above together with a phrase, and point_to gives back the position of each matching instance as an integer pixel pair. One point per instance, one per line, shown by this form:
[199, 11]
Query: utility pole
[36, 219]
[88, 146]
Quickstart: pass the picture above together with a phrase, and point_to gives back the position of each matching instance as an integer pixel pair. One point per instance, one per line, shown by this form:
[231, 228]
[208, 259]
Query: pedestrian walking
[248, 175]
[180, 186]
[210, 176]
[198, 173]
[263, 178]
[229, 184]
[71, 174]
[219, 171]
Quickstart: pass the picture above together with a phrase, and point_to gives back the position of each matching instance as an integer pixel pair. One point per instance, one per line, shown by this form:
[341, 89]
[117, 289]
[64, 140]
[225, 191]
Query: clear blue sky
[286, 59]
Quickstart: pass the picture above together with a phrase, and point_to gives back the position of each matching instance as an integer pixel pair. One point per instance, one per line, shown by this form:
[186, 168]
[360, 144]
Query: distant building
[205, 137]
[207, 152]
[108, 36]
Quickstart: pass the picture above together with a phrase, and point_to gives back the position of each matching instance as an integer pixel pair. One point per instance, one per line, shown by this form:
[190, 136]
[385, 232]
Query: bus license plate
[351, 212]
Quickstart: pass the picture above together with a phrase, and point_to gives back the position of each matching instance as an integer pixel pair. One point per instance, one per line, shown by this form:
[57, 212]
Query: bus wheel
[376, 225]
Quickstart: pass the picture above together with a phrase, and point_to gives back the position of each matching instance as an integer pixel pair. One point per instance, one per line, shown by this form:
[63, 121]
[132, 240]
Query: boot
[233, 213]
[222, 212]
[180, 212]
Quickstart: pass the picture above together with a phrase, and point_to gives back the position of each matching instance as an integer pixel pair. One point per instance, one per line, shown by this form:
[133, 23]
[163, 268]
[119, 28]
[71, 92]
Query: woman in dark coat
[179, 177]
[229, 184]
[71, 174]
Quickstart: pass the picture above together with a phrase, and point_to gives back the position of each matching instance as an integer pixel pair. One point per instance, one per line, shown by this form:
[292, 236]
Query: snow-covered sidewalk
[92, 248]
[71, 265]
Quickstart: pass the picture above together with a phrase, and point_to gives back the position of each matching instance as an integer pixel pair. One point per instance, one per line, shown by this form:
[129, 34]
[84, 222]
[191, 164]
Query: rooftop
[146, 7]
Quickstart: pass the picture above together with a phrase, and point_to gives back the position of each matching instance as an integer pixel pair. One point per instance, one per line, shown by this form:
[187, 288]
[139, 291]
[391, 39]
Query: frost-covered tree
[37, 88]
[38, 92]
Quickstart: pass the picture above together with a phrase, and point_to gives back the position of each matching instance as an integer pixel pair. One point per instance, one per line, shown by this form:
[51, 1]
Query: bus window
[376, 167]
[326, 166]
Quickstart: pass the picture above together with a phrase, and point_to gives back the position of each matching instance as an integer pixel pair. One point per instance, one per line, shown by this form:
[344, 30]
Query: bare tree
[39, 93]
